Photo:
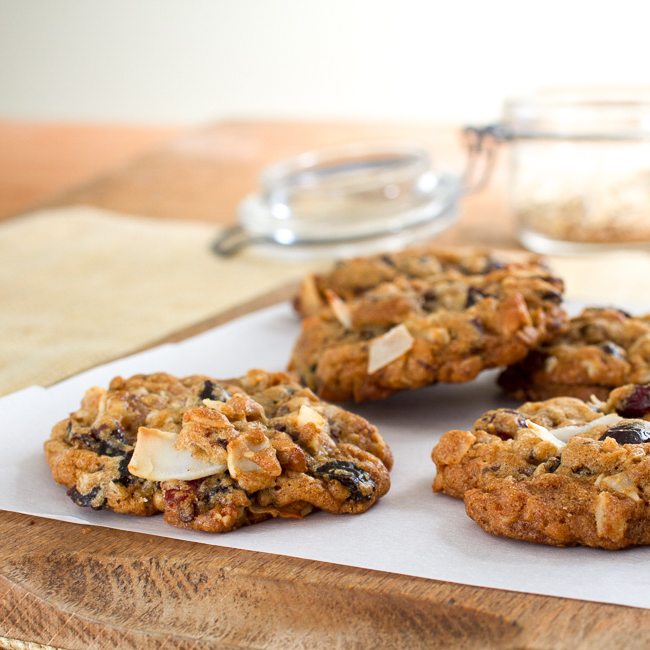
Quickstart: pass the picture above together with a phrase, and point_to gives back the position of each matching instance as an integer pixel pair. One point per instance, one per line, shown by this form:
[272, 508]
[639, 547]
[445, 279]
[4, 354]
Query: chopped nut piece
[252, 461]
[609, 524]
[206, 430]
[621, 483]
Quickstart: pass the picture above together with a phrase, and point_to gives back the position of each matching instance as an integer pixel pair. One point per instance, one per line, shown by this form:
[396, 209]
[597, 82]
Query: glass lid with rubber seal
[345, 201]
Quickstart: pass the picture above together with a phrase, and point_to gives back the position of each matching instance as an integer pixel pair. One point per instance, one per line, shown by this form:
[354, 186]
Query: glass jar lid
[344, 201]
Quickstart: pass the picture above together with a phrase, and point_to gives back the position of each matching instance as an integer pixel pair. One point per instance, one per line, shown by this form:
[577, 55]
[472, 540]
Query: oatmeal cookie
[351, 278]
[560, 472]
[216, 455]
[602, 349]
[413, 332]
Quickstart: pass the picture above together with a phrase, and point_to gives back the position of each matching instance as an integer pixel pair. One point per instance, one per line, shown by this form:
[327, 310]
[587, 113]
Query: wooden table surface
[102, 588]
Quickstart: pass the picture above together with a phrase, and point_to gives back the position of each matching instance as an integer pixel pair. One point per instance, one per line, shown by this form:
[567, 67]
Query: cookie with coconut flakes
[603, 348]
[560, 472]
[217, 455]
[413, 332]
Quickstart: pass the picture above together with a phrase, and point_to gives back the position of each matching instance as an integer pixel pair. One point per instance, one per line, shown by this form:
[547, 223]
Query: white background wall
[191, 61]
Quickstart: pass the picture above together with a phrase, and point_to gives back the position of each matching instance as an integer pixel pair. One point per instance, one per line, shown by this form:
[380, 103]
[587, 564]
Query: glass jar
[580, 168]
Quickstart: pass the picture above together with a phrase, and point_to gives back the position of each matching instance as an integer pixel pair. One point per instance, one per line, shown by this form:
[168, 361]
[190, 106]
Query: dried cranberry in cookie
[632, 401]
[629, 433]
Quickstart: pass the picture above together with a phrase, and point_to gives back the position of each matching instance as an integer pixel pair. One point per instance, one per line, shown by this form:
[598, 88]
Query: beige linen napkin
[80, 286]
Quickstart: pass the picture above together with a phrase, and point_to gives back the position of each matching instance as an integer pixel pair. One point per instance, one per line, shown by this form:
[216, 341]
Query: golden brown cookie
[602, 349]
[561, 472]
[412, 332]
[216, 455]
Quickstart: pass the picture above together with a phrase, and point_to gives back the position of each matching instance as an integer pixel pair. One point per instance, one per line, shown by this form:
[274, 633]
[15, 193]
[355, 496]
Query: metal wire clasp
[482, 145]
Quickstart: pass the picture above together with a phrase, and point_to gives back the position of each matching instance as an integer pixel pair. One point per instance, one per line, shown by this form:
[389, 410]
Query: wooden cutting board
[72, 586]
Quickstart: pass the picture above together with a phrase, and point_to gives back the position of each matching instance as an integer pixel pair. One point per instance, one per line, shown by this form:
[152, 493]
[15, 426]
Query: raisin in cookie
[216, 455]
[351, 278]
[602, 349]
[413, 332]
[561, 472]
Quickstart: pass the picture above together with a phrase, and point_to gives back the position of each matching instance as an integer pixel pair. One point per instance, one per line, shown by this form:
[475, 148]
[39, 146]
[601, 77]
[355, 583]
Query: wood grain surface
[70, 586]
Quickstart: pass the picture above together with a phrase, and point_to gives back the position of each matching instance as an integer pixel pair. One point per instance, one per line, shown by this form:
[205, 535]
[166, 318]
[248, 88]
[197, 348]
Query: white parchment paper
[410, 531]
